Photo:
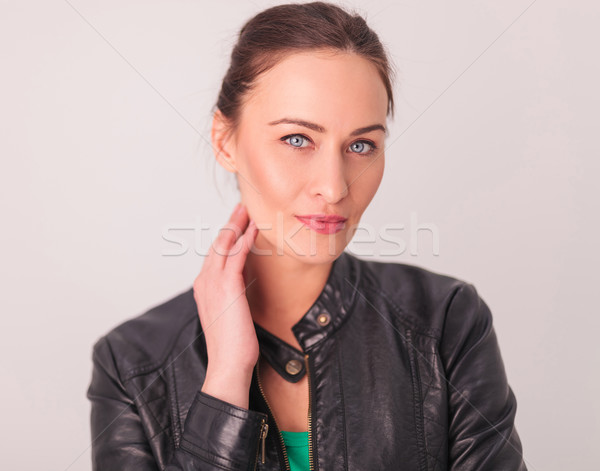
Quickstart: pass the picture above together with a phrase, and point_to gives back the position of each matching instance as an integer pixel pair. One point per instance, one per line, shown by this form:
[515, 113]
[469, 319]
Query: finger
[241, 248]
[228, 235]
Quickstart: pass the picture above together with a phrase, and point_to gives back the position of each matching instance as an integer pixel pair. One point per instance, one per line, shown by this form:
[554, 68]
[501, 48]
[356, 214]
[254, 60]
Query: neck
[281, 289]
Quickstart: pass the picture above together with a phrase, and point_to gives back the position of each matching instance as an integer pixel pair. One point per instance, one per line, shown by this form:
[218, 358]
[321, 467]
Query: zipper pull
[264, 429]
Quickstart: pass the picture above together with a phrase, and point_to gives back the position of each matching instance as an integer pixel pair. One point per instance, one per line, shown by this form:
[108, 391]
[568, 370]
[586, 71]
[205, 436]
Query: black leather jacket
[404, 373]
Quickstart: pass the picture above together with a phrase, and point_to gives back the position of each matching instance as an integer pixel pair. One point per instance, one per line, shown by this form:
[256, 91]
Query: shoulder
[144, 342]
[421, 298]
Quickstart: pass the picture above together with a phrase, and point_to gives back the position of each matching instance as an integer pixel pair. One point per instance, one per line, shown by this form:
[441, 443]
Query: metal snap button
[323, 319]
[293, 367]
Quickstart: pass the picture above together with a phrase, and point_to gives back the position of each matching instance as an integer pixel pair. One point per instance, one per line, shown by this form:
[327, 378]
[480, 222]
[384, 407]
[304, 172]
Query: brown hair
[271, 34]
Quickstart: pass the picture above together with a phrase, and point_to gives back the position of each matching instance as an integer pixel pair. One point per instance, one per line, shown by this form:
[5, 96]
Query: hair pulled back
[275, 32]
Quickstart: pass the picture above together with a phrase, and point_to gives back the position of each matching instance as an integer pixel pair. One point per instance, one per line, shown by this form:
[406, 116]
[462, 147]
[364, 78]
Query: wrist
[229, 387]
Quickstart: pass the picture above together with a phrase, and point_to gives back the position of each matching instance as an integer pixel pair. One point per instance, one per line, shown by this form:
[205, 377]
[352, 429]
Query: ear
[222, 142]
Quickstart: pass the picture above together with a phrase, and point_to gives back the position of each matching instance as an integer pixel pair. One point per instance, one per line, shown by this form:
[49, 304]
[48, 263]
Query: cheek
[379, 175]
[274, 181]
[368, 181]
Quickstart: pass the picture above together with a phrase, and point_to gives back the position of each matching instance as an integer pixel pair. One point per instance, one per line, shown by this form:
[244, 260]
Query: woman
[287, 352]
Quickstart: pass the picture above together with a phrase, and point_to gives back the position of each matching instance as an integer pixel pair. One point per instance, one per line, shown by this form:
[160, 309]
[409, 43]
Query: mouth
[323, 223]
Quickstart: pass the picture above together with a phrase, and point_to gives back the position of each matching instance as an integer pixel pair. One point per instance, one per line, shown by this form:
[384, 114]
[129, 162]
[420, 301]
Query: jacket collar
[322, 319]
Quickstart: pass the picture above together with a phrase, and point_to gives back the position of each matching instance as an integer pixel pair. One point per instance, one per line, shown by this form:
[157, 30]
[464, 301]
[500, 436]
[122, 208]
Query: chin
[304, 245]
[320, 252]
[317, 259]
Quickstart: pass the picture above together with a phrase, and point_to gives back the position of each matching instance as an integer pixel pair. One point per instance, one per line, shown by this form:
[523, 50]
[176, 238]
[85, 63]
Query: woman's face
[310, 142]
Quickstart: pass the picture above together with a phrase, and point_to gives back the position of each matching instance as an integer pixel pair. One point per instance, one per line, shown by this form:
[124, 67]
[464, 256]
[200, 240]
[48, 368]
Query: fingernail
[237, 208]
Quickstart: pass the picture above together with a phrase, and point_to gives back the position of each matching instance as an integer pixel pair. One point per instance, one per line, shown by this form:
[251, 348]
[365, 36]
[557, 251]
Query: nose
[329, 176]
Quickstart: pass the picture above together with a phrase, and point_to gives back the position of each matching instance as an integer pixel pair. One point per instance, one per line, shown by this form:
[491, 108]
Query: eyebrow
[318, 128]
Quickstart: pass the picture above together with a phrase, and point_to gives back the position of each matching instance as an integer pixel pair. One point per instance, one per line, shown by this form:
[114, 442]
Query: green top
[296, 444]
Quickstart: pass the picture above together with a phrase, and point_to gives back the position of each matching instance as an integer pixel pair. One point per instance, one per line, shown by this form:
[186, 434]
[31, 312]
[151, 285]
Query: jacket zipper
[310, 450]
[264, 429]
[287, 463]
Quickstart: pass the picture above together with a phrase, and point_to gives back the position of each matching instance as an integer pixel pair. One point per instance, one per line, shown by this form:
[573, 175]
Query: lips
[328, 218]
[323, 223]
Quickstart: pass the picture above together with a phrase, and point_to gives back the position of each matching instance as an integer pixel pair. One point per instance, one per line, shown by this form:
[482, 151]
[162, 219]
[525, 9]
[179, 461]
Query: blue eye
[359, 147]
[299, 141]
[296, 140]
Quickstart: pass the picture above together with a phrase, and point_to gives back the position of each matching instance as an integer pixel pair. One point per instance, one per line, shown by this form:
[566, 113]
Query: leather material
[278, 353]
[404, 372]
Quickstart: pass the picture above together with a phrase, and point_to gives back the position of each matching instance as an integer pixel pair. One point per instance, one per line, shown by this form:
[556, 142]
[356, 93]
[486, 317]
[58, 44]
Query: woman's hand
[220, 294]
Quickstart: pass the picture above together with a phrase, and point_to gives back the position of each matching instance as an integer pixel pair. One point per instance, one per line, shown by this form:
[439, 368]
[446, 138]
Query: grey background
[104, 127]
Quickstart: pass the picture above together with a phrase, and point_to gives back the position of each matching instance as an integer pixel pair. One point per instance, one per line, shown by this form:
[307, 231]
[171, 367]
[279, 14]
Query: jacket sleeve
[482, 406]
[217, 435]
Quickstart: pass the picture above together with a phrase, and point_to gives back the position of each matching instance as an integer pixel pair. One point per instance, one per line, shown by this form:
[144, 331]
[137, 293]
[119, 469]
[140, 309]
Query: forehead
[324, 86]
